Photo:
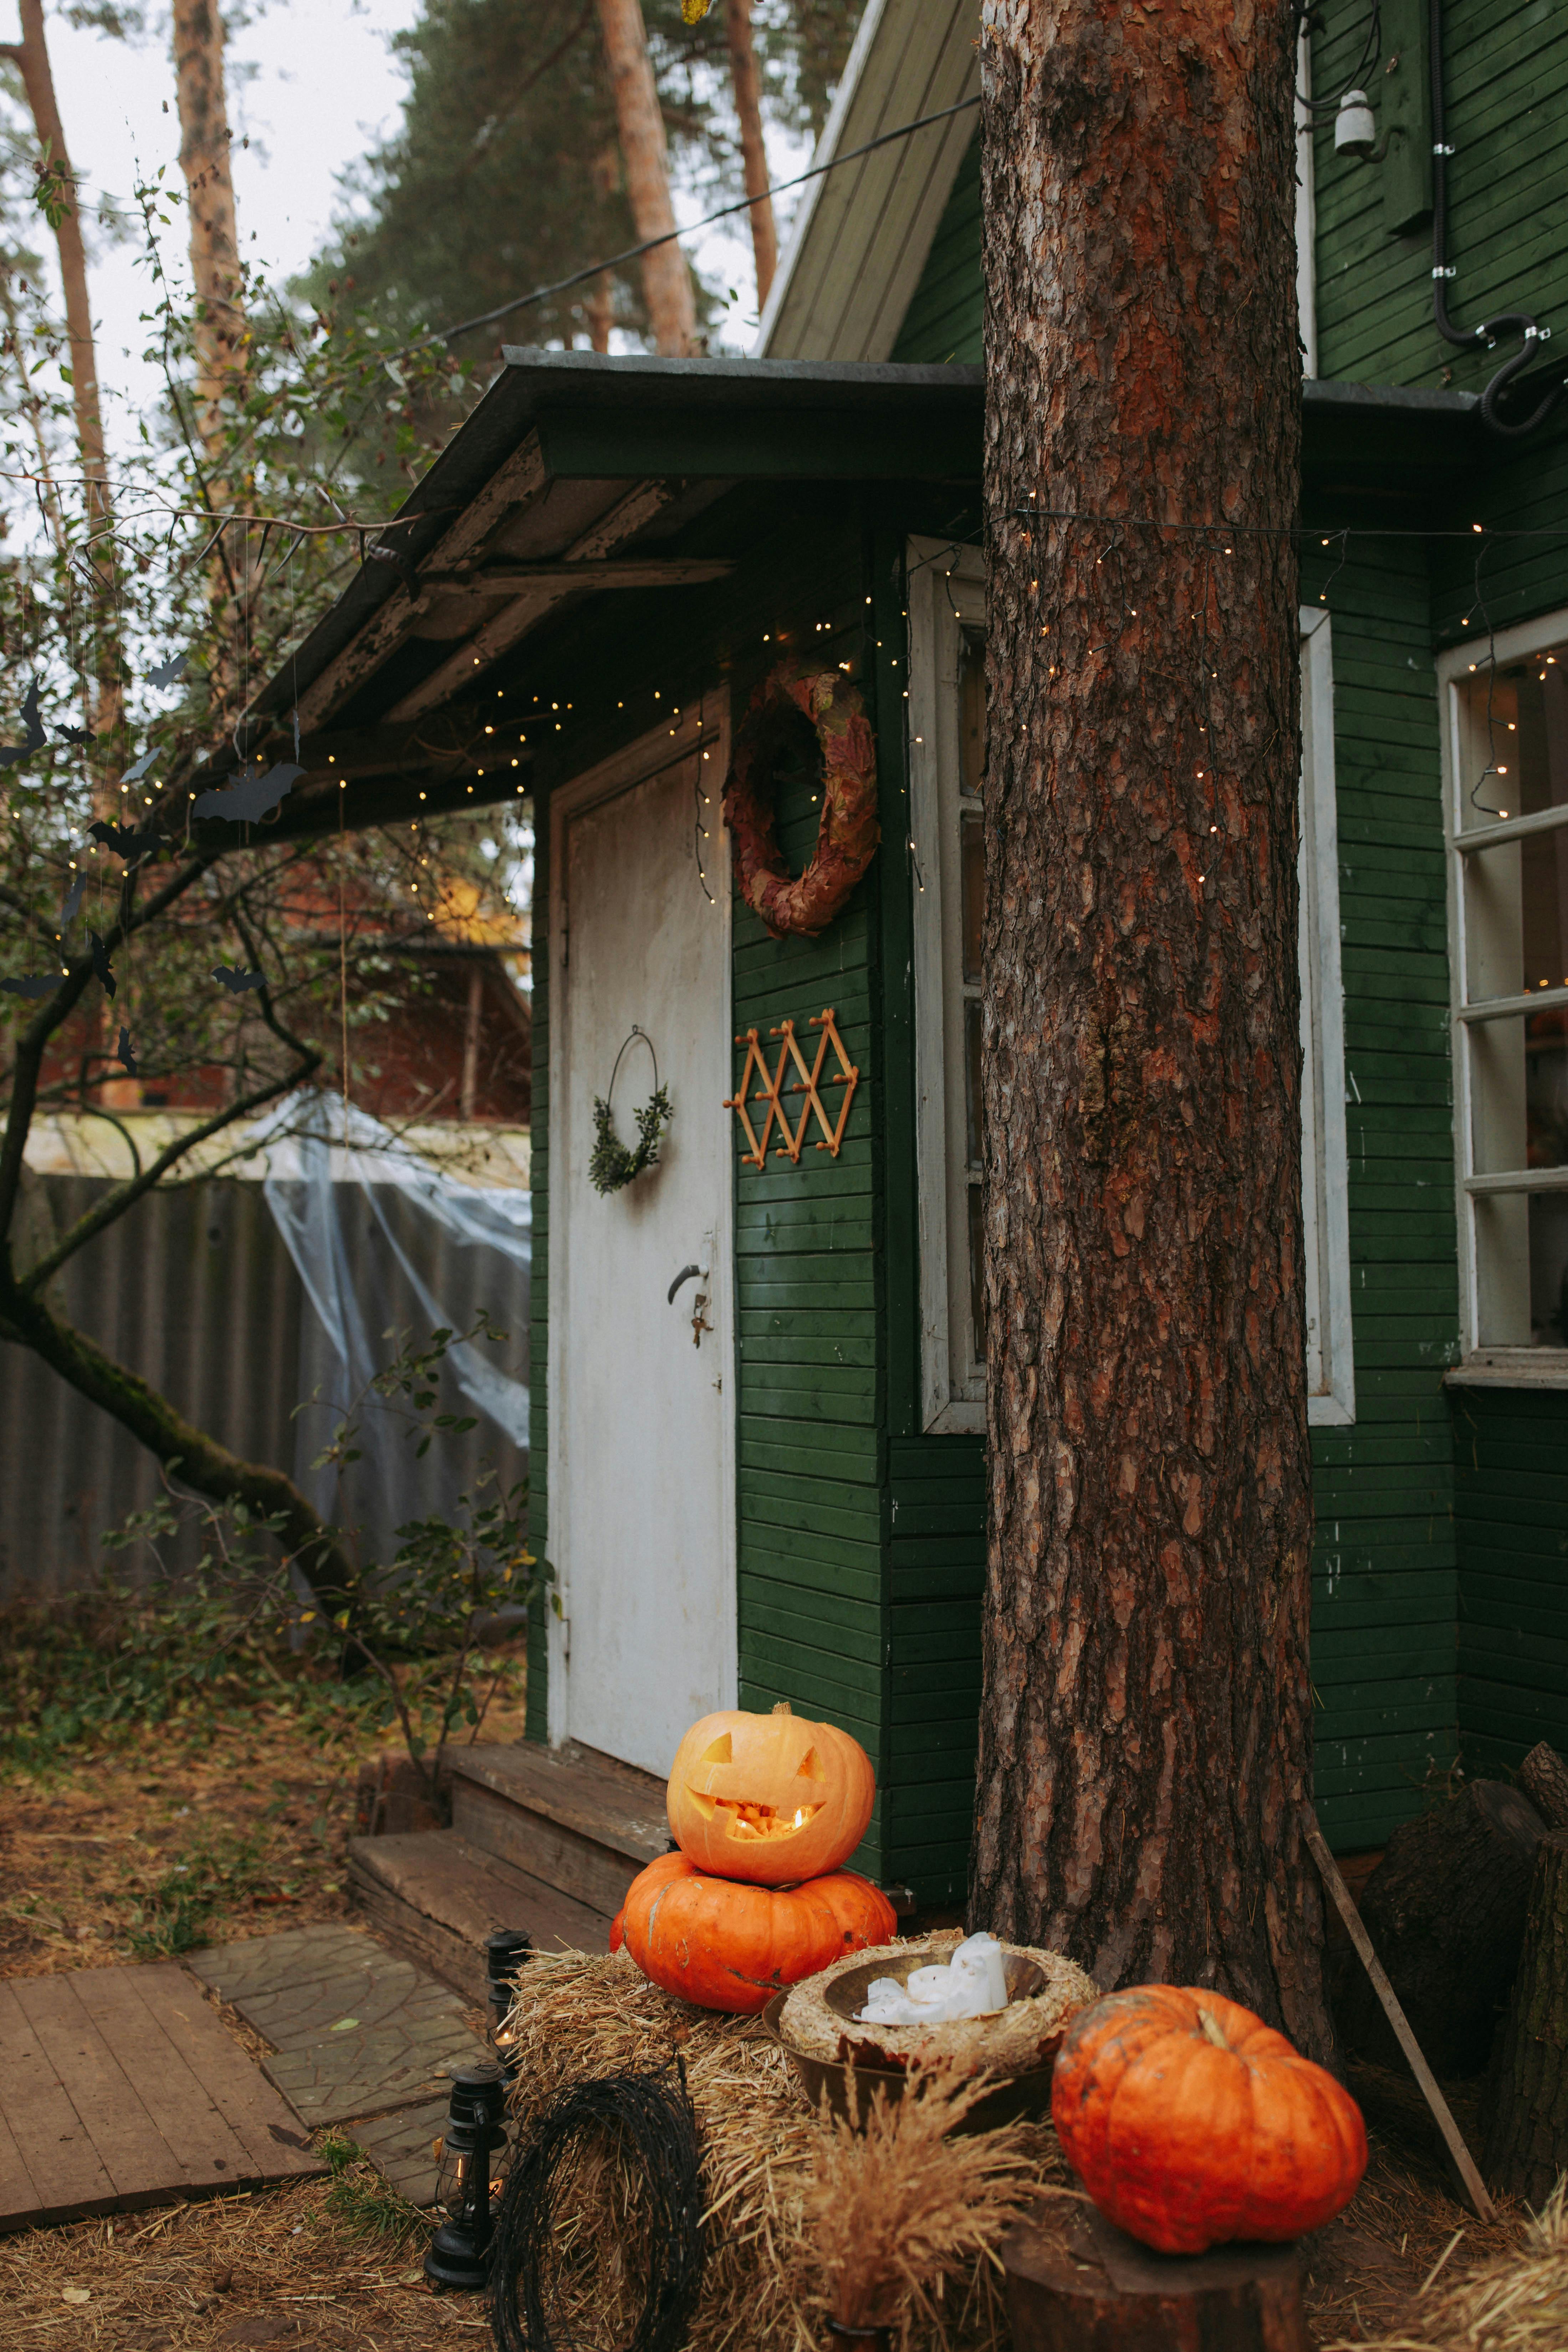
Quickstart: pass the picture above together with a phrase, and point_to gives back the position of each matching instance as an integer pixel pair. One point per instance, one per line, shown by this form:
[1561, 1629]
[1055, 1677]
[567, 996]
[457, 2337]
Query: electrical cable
[1505, 323]
[1308, 20]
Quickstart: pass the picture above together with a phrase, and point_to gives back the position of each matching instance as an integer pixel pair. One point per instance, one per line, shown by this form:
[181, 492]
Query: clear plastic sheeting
[385, 1245]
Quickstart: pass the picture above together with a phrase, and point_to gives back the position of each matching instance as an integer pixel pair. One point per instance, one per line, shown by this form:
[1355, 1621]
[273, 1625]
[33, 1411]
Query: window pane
[1521, 1265]
[1549, 1270]
[972, 840]
[972, 716]
[1518, 1091]
[1514, 738]
[974, 1100]
[976, 1279]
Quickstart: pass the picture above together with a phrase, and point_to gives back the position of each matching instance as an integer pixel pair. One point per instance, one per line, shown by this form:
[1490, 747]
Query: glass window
[947, 741]
[1509, 841]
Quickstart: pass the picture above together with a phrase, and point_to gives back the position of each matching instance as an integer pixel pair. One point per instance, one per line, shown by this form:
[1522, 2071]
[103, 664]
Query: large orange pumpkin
[724, 1946]
[771, 1798]
[1191, 2122]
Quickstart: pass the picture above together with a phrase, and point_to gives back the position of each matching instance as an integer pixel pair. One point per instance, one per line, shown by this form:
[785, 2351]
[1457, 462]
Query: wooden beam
[517, 482]
[1464, 2162]
[625, 518]
[627, 572]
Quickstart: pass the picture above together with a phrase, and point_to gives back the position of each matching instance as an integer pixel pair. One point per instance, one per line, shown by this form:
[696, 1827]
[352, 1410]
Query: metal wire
[651, 2126]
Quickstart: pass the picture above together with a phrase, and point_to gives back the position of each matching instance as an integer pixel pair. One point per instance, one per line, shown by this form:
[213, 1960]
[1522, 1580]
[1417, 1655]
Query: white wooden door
[641, 1457]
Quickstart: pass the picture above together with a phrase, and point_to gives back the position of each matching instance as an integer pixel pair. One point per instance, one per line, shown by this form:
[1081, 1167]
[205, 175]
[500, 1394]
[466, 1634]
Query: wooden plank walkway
[120, 2088]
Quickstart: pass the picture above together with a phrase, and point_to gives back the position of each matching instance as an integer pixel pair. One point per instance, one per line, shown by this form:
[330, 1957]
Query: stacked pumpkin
[763, 1809]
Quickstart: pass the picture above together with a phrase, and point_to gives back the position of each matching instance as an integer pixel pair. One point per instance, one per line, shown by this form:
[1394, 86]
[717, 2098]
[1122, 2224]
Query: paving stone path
[360, 2039]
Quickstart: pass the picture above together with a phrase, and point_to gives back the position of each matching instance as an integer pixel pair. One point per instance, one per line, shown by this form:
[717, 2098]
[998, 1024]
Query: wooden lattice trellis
[773, 1089]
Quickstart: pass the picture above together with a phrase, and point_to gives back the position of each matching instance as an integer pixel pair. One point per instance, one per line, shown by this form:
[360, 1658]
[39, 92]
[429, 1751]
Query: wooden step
[579, 1822]
[436, 1896]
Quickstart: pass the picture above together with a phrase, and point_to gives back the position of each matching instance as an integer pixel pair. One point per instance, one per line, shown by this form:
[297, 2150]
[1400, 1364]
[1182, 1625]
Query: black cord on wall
[1505, 324]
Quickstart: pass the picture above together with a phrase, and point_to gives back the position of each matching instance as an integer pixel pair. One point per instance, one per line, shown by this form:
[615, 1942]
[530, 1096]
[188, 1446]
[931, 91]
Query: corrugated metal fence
[195, 1290]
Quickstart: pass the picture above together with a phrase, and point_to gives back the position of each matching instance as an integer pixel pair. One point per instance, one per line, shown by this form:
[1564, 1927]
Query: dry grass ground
[223, 1823]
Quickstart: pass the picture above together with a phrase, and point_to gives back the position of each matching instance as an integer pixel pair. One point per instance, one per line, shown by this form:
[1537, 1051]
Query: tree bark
[1145, 1743]
[31, 56]
[748, 89]
[1444, 1908]
[666, 281]
[214, 232]
[1543, 1777]
[1527, 2138]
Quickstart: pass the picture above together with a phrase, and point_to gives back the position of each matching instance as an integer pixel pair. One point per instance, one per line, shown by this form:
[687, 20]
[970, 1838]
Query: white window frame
[947, 596]
[1490, 1363]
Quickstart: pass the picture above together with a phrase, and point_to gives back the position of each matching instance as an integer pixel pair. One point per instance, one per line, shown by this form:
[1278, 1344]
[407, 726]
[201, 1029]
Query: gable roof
[862, 233]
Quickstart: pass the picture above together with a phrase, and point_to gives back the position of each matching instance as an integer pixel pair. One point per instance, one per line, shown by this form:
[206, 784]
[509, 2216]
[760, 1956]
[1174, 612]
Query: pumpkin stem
[782, 1706]
[1213, 2028]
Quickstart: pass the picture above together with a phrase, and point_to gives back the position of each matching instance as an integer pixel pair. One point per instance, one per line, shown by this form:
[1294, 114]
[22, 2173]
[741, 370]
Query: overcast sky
[313, 85]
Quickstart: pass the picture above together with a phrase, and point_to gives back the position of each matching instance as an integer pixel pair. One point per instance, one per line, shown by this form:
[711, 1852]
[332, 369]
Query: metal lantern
[459, 2254]
[504, 1953]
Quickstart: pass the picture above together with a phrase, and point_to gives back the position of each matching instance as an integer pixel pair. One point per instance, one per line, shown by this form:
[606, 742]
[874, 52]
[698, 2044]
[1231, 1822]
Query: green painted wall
[1506, 84]
[1511, 1499]
[946, 320]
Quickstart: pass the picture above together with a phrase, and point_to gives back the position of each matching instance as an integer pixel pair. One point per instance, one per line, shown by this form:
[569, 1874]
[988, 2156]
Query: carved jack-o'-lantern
[770, 1798]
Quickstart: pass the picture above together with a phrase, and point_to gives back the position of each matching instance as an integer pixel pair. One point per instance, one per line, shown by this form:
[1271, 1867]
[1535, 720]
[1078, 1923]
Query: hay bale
[579, 2015]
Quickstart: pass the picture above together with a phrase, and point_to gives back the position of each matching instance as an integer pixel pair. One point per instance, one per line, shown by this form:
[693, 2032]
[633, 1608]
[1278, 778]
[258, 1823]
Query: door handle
[684, 1275]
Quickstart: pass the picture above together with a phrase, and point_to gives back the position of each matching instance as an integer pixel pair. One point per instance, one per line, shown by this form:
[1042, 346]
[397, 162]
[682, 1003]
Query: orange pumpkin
[769, 1798]
[1191, 2122]
[724, 1946]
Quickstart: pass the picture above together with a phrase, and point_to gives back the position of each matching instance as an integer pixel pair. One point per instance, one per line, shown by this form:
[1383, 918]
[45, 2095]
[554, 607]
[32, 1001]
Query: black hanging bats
[45, 985]
[73, 900]
[170, 672]
[101, 963]
[75, 736]
[124, 1052]
[36, 736]
[253, 794]
[125, 841]
[237, 981]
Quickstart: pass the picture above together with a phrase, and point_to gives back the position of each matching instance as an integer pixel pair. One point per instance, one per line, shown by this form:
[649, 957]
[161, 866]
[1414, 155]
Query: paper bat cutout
[123, 1051]
[124, 839]
[101, 963]
[44, 986]
[168, 673]
[134, 775]
[73, 900]
[252, 795]
[36, 737]
[75, 736]
[237, 981]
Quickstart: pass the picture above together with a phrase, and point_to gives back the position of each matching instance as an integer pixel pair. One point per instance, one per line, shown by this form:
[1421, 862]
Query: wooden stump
[1446, 1910]
[1527, 2138]
[1078, 2283]
[1543, 1777]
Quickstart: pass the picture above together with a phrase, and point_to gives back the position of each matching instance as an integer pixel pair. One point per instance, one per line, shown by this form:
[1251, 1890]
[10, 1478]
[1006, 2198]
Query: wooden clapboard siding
[1506, 82]
[946, 320]
[1384, 1574]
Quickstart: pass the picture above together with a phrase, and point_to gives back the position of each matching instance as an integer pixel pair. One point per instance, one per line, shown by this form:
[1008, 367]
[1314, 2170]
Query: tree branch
[205, 1465]
[114, 1204]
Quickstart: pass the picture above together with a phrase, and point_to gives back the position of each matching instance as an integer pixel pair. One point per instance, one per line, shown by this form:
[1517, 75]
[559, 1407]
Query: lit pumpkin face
[770, 1798]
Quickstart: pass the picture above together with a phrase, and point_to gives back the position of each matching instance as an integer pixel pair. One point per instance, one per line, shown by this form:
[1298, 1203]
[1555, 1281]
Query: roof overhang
[579, 477]
[862, 233]
[583, 481]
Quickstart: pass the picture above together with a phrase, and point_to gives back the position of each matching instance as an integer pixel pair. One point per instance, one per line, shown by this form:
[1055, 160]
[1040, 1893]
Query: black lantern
[459, 2253]
[505, 1952]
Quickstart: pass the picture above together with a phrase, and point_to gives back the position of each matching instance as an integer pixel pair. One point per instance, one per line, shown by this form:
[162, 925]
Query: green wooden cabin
[757, 1456]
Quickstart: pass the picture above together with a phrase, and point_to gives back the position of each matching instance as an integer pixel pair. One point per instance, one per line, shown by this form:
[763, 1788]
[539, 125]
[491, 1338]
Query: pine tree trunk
[747, 83]
[32, 59]
[1145, 1743]
[1444, 1908]
[220, 337]
[666, 281]
[1527, 2140]
[214, 232]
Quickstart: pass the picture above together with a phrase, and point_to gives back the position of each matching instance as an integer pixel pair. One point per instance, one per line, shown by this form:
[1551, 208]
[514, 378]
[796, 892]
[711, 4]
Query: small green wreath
[611, 1166]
